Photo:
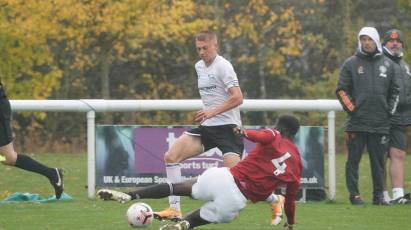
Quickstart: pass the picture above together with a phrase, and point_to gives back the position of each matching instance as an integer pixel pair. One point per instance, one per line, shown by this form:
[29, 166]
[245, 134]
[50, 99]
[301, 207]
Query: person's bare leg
[184, 147]
[386, 194]
[397, 169]
[8, 152]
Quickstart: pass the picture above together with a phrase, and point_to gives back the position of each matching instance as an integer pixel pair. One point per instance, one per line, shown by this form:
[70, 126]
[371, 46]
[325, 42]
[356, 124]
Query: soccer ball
[139, 215]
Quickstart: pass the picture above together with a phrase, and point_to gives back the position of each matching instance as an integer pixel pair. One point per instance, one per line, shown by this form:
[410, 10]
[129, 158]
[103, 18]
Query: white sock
[174, 176]
[387, 197]
[397, 193]
[272, 199]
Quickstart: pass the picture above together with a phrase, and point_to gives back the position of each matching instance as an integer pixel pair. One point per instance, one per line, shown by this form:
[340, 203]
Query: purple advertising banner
[129, 156]
[150, 144]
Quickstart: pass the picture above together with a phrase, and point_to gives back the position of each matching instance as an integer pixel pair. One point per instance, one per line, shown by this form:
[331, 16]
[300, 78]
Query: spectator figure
[393, 46]
[368, 91]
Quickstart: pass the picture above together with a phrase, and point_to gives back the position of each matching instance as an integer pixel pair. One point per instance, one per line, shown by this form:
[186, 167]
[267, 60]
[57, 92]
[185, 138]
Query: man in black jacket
[368, 91]
[393, 46]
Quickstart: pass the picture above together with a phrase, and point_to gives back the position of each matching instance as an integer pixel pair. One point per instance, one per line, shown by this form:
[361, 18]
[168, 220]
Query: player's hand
[288, 226]
[238, 131]
[201, 116]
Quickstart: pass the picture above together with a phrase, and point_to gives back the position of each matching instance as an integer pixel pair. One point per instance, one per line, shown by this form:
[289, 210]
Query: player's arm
[235, 99]
[343, 91]
[263, 136]
[289, 205]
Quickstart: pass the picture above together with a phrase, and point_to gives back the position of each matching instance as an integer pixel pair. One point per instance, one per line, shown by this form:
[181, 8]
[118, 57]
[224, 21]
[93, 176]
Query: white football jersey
[213, 84]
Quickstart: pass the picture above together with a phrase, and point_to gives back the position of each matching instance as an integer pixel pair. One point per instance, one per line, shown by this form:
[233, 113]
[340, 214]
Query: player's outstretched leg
[107, 194]
[277, 210]
[25, 162]
[153, 191]
[156, 191]
[57, 182]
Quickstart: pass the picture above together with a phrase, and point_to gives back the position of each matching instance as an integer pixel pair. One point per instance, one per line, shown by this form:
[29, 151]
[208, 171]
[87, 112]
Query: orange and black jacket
[368, 90]
[403, 114]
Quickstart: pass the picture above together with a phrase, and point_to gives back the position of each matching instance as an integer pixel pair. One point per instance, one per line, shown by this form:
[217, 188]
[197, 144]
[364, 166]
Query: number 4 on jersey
[279, 163]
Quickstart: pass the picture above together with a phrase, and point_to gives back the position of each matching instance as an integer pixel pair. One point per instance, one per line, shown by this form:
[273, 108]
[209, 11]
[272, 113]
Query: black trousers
[5, 121]
[377, 145]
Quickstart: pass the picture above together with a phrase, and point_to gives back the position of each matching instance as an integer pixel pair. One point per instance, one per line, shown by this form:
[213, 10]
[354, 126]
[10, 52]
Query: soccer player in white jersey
[221, 96]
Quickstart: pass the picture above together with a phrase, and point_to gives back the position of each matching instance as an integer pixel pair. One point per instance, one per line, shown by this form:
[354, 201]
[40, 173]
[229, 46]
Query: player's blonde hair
[206, 35]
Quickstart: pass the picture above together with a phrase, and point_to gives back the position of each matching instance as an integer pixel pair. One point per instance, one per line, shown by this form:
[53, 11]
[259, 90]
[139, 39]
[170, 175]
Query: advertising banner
[130, 156]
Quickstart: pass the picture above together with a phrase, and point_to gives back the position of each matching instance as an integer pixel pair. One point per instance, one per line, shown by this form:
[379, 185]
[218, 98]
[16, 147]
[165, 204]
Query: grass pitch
[82, 213]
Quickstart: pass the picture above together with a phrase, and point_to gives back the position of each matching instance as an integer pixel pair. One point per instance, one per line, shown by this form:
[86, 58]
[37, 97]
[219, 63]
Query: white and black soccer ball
[139, 215]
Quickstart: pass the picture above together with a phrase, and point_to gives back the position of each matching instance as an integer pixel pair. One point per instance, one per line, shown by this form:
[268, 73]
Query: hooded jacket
[368, 88]
[402, 116]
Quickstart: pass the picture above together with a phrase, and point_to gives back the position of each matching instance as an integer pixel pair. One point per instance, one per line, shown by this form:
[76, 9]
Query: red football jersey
[274, 162]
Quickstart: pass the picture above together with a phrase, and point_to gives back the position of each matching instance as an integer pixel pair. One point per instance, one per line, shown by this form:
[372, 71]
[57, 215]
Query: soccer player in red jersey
[275, 162]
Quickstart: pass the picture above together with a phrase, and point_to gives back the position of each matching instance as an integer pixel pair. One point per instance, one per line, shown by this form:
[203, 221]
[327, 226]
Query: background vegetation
[139, 49]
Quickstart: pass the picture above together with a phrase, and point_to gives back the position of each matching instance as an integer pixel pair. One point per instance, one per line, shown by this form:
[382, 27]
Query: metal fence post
[331, 156]
[91, 155]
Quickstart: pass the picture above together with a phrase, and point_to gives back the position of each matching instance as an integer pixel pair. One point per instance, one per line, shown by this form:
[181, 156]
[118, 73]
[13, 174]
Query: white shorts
[225, 200]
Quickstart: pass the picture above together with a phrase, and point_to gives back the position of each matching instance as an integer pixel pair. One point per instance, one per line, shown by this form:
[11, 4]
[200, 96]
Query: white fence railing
[91, 106]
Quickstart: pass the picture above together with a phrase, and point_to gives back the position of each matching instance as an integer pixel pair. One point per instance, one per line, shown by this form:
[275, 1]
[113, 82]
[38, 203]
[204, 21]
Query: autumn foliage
[140, 49]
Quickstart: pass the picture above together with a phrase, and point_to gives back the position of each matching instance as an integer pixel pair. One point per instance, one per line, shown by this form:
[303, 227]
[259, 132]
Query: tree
[258, 37]
[26, 63]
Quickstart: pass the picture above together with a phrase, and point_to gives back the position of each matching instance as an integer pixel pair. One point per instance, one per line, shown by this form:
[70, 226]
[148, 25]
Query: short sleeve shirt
[213, 84]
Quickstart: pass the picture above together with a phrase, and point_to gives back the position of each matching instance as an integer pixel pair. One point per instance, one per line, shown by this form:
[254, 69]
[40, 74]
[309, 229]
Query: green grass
[82, 213]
